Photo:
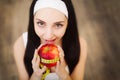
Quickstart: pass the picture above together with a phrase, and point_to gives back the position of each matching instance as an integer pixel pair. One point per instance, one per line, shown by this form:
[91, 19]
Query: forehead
[49, 14]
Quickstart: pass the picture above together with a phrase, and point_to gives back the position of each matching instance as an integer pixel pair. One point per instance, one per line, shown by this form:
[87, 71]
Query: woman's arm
[78, 73]
[37, 72]
[19, 51]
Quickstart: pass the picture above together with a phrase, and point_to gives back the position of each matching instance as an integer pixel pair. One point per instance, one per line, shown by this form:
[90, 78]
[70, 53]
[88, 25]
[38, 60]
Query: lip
[50, 41]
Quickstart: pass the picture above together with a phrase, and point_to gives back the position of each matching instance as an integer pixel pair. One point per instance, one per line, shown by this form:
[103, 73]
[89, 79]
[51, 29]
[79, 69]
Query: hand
[35, 65]
[61, 65]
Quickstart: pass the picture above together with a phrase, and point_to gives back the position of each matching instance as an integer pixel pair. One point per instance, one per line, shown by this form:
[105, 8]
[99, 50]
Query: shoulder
[83, 53]
[83, 46]
[80, 67]
[18, 47]
[19, 51]
[21, 42]
[18, 43]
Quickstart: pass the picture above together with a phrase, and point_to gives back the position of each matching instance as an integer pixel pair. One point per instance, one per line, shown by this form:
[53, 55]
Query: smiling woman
[51, 22]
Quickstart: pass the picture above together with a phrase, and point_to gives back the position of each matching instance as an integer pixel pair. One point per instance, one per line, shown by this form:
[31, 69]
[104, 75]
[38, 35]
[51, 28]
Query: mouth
[50, 41]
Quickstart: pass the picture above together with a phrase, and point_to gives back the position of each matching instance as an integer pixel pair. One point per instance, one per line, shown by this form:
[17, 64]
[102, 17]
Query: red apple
[49, 55]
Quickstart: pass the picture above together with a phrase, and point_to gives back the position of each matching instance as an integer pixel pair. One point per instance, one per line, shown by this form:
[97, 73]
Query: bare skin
[19, 50]
[50, 29]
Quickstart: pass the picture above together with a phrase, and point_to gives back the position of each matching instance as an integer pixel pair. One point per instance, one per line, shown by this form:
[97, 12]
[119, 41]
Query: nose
[48, 34]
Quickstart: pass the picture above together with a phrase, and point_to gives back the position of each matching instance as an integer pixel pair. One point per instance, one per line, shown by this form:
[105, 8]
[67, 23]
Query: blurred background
[98, 22]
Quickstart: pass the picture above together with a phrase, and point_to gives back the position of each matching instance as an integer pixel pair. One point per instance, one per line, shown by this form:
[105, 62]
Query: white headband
[56, 4]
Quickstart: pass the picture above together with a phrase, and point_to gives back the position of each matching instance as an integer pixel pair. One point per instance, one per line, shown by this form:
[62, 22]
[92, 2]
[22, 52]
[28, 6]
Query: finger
[61, 58]
[37, 62]
[53, 68]
[40, 46]
[60, 50]
[43, 69]
[35, 56]
[57, 66]
[34, 60]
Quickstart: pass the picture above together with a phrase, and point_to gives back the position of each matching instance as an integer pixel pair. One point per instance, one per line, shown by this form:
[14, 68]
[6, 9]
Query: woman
[51, 21]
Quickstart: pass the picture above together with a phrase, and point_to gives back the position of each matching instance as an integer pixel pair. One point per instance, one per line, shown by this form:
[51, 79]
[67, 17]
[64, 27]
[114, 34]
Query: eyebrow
[54, 22]
[40, 20]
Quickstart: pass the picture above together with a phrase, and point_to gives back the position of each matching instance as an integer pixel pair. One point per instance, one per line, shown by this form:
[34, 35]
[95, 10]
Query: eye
[41, 24]
[59, 25]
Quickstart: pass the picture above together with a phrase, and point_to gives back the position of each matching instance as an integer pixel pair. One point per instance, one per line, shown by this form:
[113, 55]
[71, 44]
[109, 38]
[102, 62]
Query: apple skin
[49, 55]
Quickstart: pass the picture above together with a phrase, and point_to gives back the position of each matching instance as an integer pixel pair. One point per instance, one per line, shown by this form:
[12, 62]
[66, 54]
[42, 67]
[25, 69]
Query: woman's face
[50, 25]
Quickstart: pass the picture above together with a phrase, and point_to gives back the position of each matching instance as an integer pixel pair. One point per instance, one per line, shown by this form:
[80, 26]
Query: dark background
[98, 22]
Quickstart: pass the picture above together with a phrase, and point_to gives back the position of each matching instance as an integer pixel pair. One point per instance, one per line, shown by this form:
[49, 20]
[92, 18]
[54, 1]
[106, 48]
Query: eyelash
[40, 24]
[59, 25]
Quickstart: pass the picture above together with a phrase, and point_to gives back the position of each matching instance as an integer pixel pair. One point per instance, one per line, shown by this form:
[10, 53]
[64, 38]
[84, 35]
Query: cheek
[38, 31]
[60, 33]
